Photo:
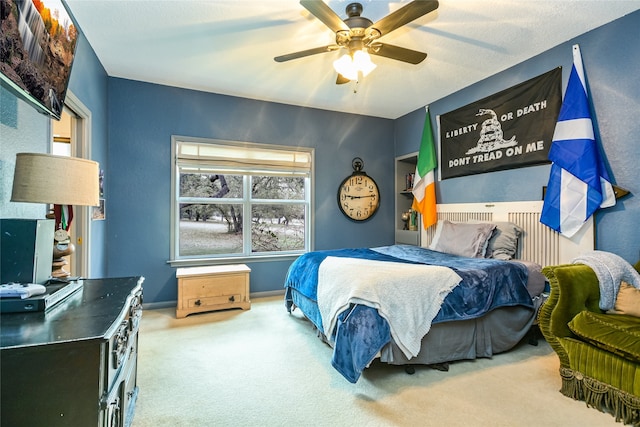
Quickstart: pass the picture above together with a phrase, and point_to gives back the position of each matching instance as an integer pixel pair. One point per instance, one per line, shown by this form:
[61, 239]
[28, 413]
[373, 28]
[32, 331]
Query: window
[239, 200]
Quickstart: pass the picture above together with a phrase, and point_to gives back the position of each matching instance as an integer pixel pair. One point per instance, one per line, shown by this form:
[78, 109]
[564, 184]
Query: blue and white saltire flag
[579, 183]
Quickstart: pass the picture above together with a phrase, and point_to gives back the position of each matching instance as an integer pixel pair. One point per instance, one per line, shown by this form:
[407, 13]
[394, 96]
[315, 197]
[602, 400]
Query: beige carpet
[263, 367]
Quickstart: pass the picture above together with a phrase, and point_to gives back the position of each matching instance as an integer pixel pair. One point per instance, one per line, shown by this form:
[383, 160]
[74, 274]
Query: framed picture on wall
[98, 213]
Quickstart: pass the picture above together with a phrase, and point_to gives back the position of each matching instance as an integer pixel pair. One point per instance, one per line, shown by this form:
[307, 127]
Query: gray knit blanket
[610, 270]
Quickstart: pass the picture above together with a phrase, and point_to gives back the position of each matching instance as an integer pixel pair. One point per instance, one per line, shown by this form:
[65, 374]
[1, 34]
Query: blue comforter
[486, 284]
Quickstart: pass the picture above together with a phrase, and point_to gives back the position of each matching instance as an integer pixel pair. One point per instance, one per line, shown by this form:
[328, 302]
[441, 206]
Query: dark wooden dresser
[75, 364]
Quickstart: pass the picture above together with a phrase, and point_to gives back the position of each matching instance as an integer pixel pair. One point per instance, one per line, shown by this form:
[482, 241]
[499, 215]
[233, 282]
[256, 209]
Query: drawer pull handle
[232, 298]
[198, 303]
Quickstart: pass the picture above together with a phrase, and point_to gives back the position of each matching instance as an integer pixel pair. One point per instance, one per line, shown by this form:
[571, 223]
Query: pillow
[436, 235]
[460, 238]
[504, 242]
[536, 281]
[616, 334]
[627, 301]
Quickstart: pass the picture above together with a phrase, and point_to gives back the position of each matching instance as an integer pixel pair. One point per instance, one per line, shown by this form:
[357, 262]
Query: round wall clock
[358, 194]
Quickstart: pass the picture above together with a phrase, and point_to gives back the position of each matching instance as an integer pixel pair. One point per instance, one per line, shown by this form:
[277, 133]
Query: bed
[476, 277]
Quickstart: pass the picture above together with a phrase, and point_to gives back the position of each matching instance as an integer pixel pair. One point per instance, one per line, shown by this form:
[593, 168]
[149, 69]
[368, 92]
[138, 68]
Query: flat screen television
[37, 47]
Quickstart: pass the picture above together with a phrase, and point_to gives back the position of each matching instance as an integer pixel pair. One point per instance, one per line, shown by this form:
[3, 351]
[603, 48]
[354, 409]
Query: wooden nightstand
[212, 288]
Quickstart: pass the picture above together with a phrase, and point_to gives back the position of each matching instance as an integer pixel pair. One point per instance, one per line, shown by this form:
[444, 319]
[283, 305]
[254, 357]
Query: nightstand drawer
[213, 301]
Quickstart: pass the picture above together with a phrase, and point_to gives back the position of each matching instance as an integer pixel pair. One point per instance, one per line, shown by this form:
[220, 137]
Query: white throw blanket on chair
[610, 270]
[408, 296]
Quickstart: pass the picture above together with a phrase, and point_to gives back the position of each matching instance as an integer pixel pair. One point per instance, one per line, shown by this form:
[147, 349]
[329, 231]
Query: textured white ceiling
[228, 46]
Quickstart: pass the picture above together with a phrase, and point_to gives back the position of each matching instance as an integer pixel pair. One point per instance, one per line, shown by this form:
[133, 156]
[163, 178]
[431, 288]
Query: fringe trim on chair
[623, 406]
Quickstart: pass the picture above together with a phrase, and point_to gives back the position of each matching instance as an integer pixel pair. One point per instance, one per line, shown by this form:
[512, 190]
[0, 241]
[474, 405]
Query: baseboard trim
[267, 294]
[159, 305]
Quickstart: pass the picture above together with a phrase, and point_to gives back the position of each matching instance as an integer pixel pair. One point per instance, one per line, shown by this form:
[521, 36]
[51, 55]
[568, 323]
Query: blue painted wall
[611, 56]
[142, 118]
[89, 84]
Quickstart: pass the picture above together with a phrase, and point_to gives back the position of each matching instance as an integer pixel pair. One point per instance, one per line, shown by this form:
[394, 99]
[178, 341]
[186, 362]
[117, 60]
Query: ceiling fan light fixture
[349, 66]
[344, 66]
[362, 62]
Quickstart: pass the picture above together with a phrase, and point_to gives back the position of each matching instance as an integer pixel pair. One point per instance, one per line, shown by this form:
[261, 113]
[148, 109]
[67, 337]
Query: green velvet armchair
[599, 352]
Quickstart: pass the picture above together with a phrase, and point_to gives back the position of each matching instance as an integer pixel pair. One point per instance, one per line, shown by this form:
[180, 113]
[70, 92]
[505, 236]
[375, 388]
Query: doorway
[71, 137]
[62, 146]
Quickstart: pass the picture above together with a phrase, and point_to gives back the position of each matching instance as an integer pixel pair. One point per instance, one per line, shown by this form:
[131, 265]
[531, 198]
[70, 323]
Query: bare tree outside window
[213, 209]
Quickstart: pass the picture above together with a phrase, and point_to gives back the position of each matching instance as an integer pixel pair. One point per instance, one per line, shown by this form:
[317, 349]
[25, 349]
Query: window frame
[247, 202]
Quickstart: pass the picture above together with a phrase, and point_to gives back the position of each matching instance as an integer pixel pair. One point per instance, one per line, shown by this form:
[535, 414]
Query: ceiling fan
[359, 36]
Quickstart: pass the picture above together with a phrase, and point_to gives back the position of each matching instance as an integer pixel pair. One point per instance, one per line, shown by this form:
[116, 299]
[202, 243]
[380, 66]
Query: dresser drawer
[121, 346]
[119, 404]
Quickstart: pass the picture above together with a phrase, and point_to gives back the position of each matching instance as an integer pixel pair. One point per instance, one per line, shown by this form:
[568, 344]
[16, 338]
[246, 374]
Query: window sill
[194, 262]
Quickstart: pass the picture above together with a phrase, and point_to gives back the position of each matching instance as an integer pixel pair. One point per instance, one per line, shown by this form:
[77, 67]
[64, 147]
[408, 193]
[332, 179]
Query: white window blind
[245, 158]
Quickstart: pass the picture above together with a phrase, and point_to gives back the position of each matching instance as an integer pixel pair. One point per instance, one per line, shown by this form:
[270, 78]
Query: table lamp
[60, 181]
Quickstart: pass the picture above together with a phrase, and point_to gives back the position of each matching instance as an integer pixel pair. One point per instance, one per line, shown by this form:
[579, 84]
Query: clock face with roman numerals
[358, 196]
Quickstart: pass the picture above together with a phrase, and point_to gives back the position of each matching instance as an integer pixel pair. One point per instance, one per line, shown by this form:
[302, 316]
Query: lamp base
[58, 270]
[60, 250]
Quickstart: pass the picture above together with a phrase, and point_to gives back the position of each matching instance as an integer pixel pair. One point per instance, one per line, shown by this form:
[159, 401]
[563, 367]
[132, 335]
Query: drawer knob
[232, 298]
[198, 303]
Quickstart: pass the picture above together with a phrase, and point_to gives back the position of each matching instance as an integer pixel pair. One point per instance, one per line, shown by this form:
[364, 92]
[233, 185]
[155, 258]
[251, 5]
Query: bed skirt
[497, 331]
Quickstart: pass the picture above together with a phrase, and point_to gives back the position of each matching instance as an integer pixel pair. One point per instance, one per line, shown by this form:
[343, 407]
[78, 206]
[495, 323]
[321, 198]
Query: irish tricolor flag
[424, 185]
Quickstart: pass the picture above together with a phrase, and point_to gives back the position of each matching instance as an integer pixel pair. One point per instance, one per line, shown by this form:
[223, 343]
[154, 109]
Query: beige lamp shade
[58, 180]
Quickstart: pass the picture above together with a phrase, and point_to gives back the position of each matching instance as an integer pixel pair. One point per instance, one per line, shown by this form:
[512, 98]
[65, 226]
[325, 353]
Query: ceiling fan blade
[404, 15]
[340, 80]
[307, 52]
[324, 13]
[397, 53]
